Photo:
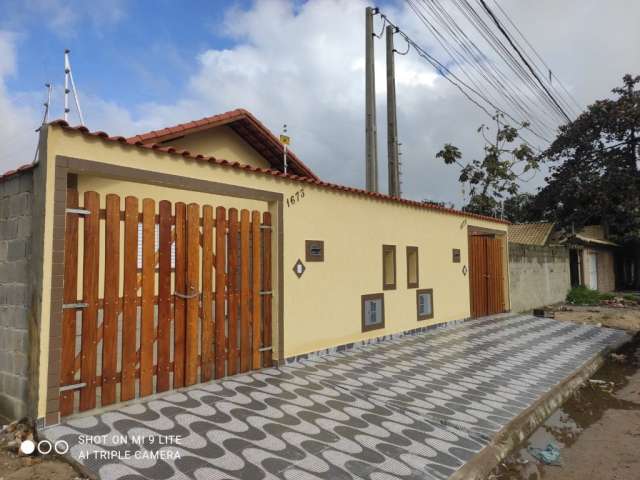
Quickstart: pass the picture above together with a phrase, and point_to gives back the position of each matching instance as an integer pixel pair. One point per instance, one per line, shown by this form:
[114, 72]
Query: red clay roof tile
[246, 126]
[292, 177]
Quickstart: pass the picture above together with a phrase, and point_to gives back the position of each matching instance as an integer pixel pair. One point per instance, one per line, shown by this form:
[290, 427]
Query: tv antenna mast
[68, 81]
[47, 106]
[45, 118]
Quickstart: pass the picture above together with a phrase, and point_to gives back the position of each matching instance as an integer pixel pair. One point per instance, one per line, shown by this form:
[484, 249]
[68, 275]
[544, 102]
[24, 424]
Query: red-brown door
[486, 277]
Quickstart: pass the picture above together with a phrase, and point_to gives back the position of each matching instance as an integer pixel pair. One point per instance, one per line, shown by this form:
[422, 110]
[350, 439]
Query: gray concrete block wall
[16, 201]
[538, 276]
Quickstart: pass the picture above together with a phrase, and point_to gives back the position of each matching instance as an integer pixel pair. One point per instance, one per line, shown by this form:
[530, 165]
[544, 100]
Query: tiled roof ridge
[266, 171]
[16, 171]
[228, 117]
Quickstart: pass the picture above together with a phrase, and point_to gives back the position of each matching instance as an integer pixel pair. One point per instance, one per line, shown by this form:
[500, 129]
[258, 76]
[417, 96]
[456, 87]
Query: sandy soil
[598, 429]
[624, 318]
[15, 467]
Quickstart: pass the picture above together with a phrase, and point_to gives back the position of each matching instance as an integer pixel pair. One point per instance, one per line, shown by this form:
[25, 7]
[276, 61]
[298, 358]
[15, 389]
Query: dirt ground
[15, 467]
[598, 429]
[624, 318]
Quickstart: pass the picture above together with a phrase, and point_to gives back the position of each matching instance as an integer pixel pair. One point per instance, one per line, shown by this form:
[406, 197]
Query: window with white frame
[424, 301]
[372, 312]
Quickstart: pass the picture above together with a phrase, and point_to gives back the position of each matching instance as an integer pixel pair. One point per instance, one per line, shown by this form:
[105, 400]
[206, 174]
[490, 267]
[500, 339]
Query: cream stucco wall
[322, 308]
[223, 143]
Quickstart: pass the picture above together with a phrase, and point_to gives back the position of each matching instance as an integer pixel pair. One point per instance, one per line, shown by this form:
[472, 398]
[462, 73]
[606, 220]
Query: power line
[506, 35]
[504, 53]
[576, 103]
[468, 91]
[470, 55]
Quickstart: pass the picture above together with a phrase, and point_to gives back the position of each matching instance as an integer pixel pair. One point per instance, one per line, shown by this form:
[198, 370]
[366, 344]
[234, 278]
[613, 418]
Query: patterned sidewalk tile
[410, 408]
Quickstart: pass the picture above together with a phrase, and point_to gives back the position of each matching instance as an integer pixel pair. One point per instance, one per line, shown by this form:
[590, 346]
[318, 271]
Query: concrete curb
[519, 429]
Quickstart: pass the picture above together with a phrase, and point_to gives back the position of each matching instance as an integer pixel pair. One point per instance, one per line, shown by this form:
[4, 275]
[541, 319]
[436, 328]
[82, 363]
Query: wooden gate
[161, 298]
[486, 277]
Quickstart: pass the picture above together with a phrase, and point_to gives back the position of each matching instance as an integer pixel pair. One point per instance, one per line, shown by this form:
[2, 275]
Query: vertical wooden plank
[111, 299]
[164, 296]
[267, 299]
[148, 290]
[207, 293]
[245, 311]
[192, 293]
[488, 276]
[70, 295]
[130, 303]
[256, 286]
[90, 267]
[496, 276]
[180, 302]
[484, 309]
[233, 292]
[221, 259]
[500, 275]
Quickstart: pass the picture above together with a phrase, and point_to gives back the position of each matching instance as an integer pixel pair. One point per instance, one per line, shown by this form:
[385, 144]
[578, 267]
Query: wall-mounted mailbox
[314, 250]
[456, 255]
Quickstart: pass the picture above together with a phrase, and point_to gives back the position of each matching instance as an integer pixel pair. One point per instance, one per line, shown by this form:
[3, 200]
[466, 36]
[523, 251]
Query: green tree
[595, 176]
[516, 208]
[498, 174]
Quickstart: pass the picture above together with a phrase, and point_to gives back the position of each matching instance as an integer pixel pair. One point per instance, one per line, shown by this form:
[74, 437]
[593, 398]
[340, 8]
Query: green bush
[631, 297]
[585, 296]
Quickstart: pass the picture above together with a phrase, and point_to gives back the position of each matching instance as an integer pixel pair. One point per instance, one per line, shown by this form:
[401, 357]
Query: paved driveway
[414, 407]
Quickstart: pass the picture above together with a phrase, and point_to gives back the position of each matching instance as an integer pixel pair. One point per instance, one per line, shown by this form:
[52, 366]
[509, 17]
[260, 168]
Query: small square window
[412, 267]
[372, 312]
[314, 250]
[424, 300]
[388, 267]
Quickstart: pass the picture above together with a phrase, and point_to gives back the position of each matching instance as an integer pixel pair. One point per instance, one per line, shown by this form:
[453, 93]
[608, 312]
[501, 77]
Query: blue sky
[142, 54]
[141, 65]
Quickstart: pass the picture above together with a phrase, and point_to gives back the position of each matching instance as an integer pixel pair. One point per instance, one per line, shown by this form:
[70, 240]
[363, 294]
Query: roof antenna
[68, 80]
[45, 117]
[47, 106]
[285, 140]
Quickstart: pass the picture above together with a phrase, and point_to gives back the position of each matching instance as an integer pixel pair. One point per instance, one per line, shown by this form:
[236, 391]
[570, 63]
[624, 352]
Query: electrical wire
[471, 93]
[528, 65]
[575, 102]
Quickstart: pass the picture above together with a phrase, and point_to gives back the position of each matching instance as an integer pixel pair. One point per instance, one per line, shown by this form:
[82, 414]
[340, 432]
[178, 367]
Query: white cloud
[62, 16]
[304, 66]
[17, 136]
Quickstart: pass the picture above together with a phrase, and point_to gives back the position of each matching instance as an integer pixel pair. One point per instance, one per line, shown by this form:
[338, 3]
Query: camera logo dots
[44, 447]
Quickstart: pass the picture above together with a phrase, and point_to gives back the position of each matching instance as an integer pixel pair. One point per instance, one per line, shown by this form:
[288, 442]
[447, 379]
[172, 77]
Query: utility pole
[371, 134]
[392, 122]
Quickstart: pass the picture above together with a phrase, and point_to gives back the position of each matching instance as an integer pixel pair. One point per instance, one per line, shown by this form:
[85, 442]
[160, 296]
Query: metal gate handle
[186, 296]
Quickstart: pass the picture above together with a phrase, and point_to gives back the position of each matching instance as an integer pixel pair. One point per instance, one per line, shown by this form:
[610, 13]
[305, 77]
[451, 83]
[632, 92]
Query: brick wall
[16, 200]
[538, 276]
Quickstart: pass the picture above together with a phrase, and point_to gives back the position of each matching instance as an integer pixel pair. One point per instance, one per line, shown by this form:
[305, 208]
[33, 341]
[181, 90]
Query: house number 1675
[295, 198]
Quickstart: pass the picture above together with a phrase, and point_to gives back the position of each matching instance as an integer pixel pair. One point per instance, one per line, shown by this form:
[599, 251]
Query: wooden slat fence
[197, 305]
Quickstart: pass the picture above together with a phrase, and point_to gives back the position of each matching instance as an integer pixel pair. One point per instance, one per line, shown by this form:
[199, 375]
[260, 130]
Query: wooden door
[486, 275]
[195, 302]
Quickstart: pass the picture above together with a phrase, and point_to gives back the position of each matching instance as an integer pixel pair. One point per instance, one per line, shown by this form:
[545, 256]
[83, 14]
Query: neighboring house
[539, 273]
[592, 258]
[149, 263]
[552, 260]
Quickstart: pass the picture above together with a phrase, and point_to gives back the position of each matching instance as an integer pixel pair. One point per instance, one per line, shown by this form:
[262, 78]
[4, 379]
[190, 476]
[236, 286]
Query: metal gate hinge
[266, 227]
[75, 386]
[67, 306]
[270, 292]
[265, 349]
